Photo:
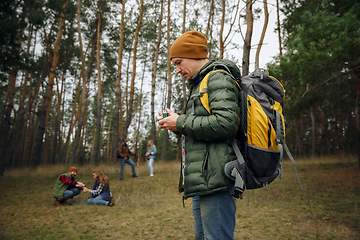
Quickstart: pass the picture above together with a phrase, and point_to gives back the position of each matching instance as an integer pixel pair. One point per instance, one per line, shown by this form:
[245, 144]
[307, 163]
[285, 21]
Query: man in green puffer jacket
[207, 136]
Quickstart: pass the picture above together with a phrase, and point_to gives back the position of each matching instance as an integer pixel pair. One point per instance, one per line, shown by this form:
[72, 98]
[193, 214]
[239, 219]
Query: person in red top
[66, 187]
[124, 155]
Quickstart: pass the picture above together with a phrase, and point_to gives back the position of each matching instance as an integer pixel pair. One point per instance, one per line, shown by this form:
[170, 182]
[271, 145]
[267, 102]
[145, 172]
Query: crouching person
[100, 193]
[66, 187]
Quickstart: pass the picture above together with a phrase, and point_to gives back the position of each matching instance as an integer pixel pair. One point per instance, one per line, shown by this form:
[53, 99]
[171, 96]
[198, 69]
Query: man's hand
[169, 122]
[80, 184]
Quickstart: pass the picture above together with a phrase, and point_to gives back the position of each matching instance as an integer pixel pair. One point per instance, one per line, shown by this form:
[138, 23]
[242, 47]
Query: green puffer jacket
[208, 137]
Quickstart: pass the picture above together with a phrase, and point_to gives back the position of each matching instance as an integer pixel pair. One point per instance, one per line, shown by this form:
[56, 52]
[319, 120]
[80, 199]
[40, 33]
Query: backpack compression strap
[293, 161]
[279, 142]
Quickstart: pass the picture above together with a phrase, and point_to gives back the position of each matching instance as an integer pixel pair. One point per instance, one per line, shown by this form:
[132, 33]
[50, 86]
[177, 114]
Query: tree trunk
[8, 108]
[132, 87]
[20, 123]
[58, 136]
[183, 86]
[65, 149]
[108, 147]
[95, 154]
[153, 77]
[30, 119]
[126, 94]
[312, 132]
[184, 17]
[74, 157]
[165, 143]
[323, 134]
[140, 107]
[36, 156]
[278, 25]
[209, 18]
[221, 41]
[355, 75]
[248, 36]
[266, 21]
[118, 102]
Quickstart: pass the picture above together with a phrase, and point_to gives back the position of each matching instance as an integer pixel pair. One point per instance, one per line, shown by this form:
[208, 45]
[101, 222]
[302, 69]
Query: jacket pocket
[205, 167]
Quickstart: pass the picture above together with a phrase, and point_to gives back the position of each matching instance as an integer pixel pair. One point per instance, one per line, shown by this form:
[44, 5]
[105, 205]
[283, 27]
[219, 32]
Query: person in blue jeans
[124, 155]
[208, 131]
[211, 217]
[66, 187]
[150, 156]
[100, 193]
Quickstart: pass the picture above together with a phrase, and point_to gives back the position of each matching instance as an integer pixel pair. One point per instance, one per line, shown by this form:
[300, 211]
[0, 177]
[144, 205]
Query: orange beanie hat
[73, 169]
[191, 44]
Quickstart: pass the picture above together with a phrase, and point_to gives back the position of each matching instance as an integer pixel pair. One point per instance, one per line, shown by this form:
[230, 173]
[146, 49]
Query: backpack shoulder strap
[203, 94]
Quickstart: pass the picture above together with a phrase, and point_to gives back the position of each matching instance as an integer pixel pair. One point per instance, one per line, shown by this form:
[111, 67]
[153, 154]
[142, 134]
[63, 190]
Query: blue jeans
[70, 193]
[131, 163]
[150, 165]
[97, 200]
[214, 216]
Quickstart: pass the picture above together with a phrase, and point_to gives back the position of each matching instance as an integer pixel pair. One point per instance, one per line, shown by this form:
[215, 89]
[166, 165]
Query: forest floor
[152, 208]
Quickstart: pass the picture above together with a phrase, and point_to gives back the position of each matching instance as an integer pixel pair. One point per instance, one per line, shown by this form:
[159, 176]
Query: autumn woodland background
[78, 76]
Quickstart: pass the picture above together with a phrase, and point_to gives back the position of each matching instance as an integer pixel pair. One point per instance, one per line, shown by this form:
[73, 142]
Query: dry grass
[151, 208]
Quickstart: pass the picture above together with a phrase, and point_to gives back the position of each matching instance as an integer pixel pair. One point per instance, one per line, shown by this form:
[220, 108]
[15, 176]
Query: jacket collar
[199, 75]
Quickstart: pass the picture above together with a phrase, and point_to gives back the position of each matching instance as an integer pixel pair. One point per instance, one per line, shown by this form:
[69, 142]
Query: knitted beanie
[191, 44]
[73, 169]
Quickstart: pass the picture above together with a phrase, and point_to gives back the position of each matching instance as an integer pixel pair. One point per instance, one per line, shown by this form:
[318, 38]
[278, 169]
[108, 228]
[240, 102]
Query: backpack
[261, 133]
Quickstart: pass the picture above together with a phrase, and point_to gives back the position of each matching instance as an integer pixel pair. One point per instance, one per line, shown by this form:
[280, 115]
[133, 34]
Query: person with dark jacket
[124, 155]
[66, 187]
[100, 193]
[208, 135]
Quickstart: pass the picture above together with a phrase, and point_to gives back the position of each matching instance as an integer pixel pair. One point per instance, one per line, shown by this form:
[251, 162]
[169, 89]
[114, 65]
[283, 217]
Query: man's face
[186, 67]
[73, 174]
